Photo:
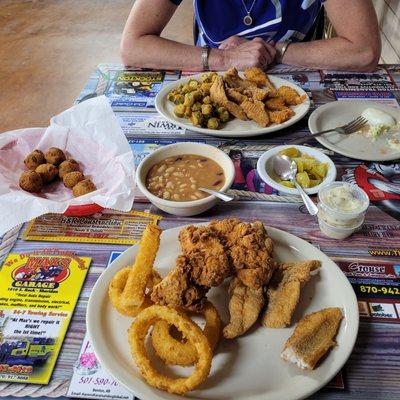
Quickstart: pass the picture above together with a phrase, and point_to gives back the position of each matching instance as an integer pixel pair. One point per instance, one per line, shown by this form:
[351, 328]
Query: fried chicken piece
[259, 77]
[224, 227]
[235, 95]
[278, 117]
[259, 228]
[178, 289]
[218, 95]
[255, 110]
[248, 247]
[312, 338]
[275, 104]
[211, 254]
[233, 80]
[249, 243]
[283, 292]
[290, 96]
[245, 305]
[208, 256]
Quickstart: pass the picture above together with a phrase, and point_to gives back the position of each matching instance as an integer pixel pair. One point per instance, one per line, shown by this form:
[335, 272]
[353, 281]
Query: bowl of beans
[171, 177]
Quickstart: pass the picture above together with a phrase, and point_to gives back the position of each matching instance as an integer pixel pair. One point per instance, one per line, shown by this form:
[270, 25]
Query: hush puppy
[31, 181]
[54, 156]
[73, 178]
[67, 166]
[48, 172]
[34, 159]
[83, 187]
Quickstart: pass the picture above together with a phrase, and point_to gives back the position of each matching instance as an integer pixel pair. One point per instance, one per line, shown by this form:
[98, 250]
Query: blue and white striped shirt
[276, 20]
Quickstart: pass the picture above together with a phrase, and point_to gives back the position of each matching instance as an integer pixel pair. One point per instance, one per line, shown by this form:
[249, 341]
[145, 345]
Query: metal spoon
[220, 195]
[287, 170]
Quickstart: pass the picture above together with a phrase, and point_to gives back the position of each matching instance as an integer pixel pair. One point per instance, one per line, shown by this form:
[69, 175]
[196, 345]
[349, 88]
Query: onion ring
[176, 352]
[137, 334]
[116, 289]
[142, 269]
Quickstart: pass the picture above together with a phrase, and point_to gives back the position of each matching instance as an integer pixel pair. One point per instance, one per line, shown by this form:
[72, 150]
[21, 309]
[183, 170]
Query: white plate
[249, 367]
[354, 145]
[235, 127]
[265, 168]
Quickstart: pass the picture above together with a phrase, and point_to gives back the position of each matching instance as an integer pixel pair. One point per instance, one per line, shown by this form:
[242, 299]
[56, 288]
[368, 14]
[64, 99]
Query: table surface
[373, 369]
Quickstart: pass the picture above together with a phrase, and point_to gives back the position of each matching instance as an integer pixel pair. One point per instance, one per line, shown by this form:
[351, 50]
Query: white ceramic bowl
[184, 208]
[264, 168]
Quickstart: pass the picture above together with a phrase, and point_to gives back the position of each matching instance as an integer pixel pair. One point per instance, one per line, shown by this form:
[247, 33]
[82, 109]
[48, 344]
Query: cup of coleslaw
[341, 209]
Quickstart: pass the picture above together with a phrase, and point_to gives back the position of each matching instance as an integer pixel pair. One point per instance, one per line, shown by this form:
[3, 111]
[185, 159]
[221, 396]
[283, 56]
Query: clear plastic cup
[339, 232]
[342, 207]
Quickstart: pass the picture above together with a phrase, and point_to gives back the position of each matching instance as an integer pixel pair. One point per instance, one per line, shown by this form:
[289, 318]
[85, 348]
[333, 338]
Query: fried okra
[179, 110]
[192, 101]
[213, 123]
[197, 118]
[193, 84]
[223, 114]
[196, 106]
[207, 109]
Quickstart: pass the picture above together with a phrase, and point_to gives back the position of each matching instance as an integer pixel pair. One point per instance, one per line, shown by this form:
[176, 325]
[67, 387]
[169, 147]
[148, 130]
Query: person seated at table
[254, 33]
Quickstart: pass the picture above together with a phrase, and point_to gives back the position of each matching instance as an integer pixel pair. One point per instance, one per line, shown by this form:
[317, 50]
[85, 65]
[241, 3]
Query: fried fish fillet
[235, 95]
[218, 96]
[255, 110]
[290, 96]
[178, 289]
[283, 292]
[259, 77]
[312, 338]
[233, 80]
[275, 104]
[256, 93]
[208, 257]
[245, 305]
[278, 117]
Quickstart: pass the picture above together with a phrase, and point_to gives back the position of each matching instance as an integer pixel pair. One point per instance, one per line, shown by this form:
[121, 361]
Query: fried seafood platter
[233, 104]
[192, 311]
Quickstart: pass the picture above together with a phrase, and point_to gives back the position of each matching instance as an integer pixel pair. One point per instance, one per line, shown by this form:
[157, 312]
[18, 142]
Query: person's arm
[357, 46]
[142, 46]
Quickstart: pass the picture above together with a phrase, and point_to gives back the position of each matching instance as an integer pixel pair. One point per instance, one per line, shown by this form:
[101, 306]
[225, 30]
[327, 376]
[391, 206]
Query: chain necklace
[247, 20]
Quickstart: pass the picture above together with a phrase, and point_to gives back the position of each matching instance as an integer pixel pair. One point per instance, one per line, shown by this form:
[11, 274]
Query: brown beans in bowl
[179, 178]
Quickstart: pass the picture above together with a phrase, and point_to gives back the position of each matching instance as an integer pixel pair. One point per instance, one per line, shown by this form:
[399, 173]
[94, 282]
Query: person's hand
[232, 41]
[252, 53]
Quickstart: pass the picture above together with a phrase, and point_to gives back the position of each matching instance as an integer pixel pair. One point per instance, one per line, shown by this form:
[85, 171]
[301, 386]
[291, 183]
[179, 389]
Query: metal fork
[352, 126]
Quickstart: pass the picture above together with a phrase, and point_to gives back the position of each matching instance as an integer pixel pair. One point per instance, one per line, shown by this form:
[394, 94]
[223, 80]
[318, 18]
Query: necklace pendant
[247, 20]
